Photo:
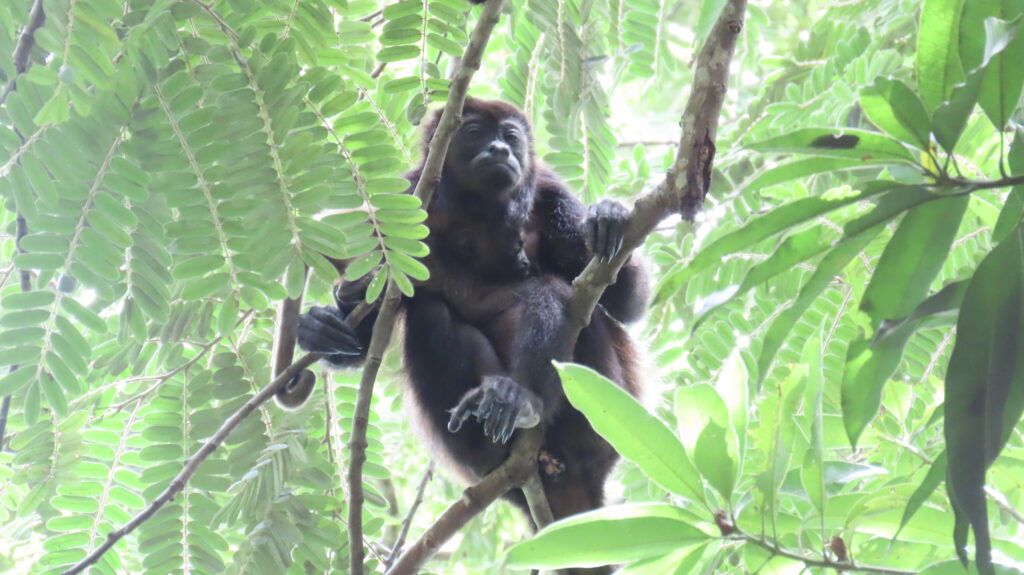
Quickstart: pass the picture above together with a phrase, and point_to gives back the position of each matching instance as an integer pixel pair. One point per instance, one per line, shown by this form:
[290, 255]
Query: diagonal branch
[179, 481]
[396, 549]
[686, 183]
[515, 471]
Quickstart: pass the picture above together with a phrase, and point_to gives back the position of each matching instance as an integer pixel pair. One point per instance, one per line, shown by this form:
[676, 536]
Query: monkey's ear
[297, 391]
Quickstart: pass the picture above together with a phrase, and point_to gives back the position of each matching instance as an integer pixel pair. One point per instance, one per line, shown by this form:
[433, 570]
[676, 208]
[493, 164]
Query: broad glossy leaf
[1013, 210]
[857, 144]
[631, 429]
[913, 257]
[828, 268]
[715, 463]
[938, 60]
[758, 229]
[950, 119]
[895, 108]
[869, 365]
[801, 169]
[984, 392]
[795, 249]
[935, 476]
[614, 534]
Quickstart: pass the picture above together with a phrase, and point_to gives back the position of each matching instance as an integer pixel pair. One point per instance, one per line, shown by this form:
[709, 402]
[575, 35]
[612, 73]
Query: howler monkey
[506, 240]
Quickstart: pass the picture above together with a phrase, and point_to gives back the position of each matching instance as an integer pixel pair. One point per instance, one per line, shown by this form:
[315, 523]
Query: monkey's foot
[501, 405]
[323, 330]
[550, 465]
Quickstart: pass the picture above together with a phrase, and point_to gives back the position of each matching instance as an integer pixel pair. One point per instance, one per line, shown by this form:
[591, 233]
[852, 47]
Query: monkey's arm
[572, 234]
[456, 373]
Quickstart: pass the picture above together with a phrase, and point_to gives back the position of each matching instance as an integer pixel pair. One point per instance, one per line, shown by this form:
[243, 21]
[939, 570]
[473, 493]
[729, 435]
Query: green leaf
[758, 229]
[869, 365]
[938, 60]
[895, 108]
[913, 257]
[801, 169]
[935, 476]
[615, 534]
[828, 268]
[715, 463]
[1013, 210]
[794, 249]
[1004, 76]
[1001, 85]
[984, 393]
[695, 407]
[950, 119]
[857, 144]
[632, 430]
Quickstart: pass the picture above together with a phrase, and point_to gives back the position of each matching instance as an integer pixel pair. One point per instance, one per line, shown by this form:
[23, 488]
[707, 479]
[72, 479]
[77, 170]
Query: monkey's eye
[512, 137]
[472, 131]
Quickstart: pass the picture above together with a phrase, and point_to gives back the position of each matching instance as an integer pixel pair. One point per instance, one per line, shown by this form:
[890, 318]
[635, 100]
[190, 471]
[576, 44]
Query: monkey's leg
[446, 359]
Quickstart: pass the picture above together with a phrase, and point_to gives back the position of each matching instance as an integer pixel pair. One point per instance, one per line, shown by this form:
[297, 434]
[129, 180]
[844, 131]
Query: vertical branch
[20, 56]
[451, 117]
[26, 285]
[26, 41]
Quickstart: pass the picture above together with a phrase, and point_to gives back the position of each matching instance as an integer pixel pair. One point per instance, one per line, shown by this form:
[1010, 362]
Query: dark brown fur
[480, 314]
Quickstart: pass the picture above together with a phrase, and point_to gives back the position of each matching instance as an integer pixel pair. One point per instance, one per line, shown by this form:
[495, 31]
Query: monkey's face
[488, 156]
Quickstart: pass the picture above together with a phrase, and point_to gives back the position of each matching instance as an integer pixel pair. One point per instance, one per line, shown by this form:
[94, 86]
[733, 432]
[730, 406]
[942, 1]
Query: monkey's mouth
[508, 168]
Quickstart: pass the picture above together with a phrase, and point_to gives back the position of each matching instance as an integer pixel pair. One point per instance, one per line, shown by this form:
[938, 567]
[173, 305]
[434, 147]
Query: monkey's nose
[499, 149]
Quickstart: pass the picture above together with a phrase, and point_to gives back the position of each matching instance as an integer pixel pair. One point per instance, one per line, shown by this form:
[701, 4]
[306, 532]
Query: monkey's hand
[323, 330]
[501, 405]
[604, 227]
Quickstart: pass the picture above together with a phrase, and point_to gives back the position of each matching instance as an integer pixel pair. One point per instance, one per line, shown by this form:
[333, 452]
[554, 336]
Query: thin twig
[514, 472]
[537, 501]
[26, 285]
[840, 567]
[22, 51]
[400, 541]
[451, 117]
[179, 481]
[20, 58]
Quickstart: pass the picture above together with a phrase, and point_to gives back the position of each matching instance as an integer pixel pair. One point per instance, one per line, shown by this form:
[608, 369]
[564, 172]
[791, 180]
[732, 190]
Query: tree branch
[451, 117]
[400, 541]
[22, 51]
[514, 472]
[26, 285]
[179, 481]
[839, 567]
[20, 56]
[684, 187]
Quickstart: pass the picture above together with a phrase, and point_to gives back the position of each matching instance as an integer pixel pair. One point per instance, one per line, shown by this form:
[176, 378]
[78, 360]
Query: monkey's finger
[591, 235]
[330, 317]
[616, 245]
[601, 241]
[508, 425]
[491, 426]
[320, 338]
[459, 416]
